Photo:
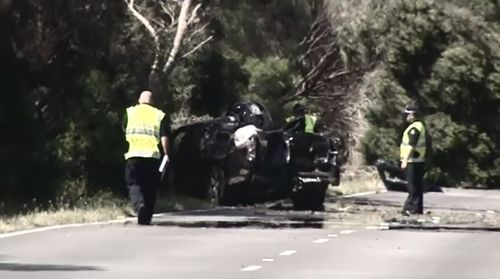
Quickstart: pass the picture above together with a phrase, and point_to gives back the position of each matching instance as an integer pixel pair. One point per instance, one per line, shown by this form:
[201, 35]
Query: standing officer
[412, 155]
[145, 127]
[301, 121]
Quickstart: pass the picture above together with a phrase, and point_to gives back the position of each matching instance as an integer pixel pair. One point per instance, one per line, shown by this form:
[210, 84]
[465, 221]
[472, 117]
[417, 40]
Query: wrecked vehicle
[394, 178]
[240, 159]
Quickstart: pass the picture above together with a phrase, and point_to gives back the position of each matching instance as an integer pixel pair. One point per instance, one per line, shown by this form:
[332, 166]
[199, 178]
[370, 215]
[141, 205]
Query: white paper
[163, 164]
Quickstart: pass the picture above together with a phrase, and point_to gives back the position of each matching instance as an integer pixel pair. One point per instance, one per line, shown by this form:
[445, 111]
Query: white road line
[333, 235]
[51, 228]
[365, 193]
[288, 253]
[269, 260]
[251, 268]
[373, 227]
[347, 232]
[467, 195]
[321, 240]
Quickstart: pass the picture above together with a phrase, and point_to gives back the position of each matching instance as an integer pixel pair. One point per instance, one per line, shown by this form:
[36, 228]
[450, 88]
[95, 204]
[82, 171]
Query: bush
[445, 57]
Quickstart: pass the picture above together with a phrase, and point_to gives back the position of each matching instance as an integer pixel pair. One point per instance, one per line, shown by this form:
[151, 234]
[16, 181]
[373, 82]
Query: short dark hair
[299, 108]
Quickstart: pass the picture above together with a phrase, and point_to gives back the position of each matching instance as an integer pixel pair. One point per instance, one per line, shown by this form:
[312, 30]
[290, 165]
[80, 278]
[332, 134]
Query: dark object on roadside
[239, 159]
[394, 178]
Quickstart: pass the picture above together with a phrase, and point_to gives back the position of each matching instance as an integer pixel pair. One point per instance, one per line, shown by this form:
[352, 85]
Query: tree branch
[151, 30]
[181, 30]
[198, 47]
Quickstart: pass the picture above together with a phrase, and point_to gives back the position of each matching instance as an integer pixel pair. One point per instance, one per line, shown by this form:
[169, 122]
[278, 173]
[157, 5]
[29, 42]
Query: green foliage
[67, 80]
[218, 81]
[445, 57]
[270, 80]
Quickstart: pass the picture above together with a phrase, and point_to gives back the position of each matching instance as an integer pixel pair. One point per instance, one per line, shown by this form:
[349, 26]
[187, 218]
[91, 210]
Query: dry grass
[104, 207]
[358, 180]
[58, 217]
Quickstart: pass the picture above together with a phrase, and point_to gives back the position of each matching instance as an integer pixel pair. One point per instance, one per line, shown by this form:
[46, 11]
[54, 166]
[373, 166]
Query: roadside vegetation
[102, 207]
[69, 70]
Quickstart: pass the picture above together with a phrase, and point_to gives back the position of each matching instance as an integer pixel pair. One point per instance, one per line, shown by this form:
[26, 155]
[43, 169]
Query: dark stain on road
[243, 224]
[29, 267]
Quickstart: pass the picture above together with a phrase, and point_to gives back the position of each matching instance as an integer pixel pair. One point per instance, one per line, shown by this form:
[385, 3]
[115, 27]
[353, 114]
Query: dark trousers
[143, 180]
[415, 178]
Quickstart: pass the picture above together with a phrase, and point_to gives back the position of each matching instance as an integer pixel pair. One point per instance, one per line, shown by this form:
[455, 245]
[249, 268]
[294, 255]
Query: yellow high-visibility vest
[420, 148]
[310, 122]
[143, 131]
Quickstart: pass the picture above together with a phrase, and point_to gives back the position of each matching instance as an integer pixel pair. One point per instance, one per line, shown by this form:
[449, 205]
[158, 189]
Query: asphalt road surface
[248, 243]
[449, 199]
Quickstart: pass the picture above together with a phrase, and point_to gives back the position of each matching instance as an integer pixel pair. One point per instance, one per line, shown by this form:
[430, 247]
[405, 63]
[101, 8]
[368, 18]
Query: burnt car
[241, 158]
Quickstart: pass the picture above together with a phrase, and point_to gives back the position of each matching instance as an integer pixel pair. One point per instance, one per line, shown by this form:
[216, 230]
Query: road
[257, 243]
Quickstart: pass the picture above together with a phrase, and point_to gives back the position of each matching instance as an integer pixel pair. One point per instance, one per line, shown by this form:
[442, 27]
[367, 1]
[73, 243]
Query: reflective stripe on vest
[143, 131]
[420, 148]
[310, 123]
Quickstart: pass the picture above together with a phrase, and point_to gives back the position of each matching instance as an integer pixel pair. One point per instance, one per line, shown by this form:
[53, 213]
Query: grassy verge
[100, 208]
[358, 180]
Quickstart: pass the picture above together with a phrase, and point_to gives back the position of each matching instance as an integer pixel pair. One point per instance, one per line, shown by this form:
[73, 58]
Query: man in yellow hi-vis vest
[412, 155]
[301, 121]
[145, 128]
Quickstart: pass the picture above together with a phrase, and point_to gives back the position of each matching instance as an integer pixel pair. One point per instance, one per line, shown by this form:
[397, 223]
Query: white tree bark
[181, 19]
[182, 25]
[156, 38]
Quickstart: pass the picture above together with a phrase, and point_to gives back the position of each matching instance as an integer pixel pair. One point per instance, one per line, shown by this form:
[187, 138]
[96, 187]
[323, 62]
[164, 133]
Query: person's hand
[404, 164]
[164, 163]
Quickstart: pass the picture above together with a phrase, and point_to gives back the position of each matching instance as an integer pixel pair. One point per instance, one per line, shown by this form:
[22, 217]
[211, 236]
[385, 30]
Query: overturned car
[240, 159]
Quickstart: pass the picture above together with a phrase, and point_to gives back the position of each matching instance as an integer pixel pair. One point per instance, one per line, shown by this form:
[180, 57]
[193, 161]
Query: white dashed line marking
[269, 260]
[347, 232]
[321, 240]
[373, 227]
[288, 253]
[333, 235]
[251, 268]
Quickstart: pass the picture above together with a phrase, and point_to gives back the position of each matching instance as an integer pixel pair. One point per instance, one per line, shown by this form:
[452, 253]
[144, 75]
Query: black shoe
[142, 218]
[406, 213]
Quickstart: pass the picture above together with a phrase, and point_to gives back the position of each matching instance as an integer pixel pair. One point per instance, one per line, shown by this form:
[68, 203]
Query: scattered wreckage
[240, 158]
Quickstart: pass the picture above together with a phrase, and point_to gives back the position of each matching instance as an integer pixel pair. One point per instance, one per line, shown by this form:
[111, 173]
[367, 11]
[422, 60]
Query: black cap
[299, 108]
[411, 108]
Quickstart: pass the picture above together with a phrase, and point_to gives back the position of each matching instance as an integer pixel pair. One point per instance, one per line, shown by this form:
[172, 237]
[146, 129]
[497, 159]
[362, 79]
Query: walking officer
[146, 128]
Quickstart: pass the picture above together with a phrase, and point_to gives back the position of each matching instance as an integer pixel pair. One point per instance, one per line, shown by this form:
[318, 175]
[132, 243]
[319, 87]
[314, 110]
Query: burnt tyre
[216, 185]
[309, 197]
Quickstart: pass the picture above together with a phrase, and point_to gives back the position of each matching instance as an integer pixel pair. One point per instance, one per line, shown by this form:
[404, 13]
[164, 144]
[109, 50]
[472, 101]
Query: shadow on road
[269, 217]
[28, 267]
[244, 224]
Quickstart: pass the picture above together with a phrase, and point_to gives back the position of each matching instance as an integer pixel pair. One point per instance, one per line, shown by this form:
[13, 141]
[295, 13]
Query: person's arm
[297, 125]
[124, 121]
[165, 132]
[414, 135]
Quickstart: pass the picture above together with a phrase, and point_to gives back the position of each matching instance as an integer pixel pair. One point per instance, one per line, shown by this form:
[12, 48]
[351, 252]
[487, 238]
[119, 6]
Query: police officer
[412, 155]
[145, 127]
[301, 121]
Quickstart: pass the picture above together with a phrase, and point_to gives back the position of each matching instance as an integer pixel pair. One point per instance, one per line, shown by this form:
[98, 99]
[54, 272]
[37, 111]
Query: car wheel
[309, 199]
[216, 183]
